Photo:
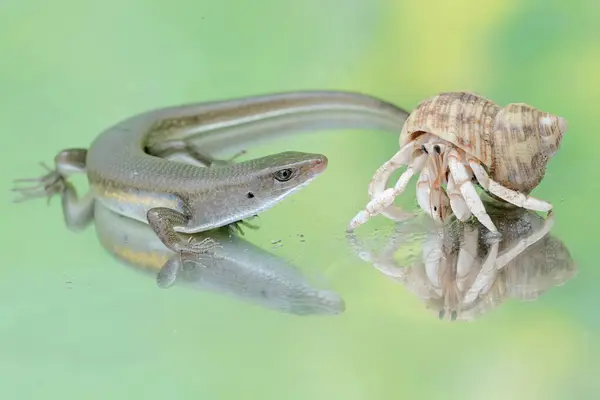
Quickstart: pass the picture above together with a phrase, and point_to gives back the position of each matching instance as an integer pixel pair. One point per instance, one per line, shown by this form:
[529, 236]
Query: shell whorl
[514, 143]
[462, 118]
[524, 140]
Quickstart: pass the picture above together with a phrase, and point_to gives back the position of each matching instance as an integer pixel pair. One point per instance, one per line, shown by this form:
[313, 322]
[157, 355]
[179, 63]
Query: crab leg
[382, 176]
[462, 180]
[524, 243]
[466, 255]
[512, 196]
[457, 202]
[384, 262]
[386, 198]
[486, 277]
[383, 173]
[433, 255]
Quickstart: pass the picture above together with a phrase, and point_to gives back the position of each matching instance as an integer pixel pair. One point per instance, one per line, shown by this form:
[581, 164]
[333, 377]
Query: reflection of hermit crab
[455, 138]
[463, 272]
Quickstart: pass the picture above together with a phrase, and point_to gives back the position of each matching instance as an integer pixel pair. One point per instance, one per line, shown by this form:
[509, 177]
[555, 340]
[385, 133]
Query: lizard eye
[284, 174]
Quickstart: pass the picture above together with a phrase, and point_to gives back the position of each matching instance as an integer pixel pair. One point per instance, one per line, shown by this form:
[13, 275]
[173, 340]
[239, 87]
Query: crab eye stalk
[284, 175]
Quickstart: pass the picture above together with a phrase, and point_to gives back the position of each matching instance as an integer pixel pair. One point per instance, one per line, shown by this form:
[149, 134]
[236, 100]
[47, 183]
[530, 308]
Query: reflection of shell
[514, 142]
[538, 270]
[434, 275]
[541, 266]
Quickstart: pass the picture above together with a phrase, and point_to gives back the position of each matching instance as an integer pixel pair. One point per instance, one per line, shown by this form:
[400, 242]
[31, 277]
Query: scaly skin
[129, 173]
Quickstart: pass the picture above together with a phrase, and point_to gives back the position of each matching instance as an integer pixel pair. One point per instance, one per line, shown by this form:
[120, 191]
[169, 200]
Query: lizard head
[256, 185]
[277, 176]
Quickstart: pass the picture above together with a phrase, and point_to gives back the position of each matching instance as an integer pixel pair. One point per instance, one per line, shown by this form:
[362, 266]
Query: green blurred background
[74, 324]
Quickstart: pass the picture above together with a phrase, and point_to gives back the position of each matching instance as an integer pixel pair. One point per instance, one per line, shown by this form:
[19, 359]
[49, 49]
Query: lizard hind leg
[190, 153]
[67, 162]
[78, 212]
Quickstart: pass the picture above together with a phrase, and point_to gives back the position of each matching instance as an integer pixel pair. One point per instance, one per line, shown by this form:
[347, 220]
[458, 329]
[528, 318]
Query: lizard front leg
[78, 213]
[168, 273]
[164, 221]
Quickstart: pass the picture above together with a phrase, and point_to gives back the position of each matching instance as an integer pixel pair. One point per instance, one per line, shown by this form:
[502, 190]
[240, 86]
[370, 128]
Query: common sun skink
[129, 172]
[239, 269]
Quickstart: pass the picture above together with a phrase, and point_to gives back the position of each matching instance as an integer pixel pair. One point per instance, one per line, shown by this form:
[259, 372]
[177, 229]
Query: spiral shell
[514, 143]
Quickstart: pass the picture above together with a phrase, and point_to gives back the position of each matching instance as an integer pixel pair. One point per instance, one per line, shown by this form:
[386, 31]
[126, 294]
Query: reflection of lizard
[238, 268]
[463, 273]
[128, 170]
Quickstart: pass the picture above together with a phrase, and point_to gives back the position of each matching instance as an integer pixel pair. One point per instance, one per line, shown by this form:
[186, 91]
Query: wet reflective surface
[238, 268]
[297, 309]
[461, 271]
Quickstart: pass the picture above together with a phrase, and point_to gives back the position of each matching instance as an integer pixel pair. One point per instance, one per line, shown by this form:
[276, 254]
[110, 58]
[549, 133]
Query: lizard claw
[207, 245]
[45, 186]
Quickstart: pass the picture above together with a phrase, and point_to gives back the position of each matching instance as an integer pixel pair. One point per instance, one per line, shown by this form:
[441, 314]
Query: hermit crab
[456, 138]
